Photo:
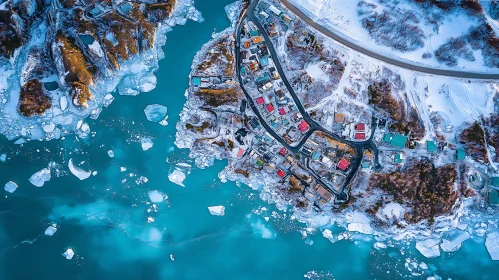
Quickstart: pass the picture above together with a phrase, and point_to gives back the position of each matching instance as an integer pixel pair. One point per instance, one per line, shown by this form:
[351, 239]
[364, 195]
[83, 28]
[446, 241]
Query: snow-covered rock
[177, 177]
[10, 187]
[39, 178]
[217, 210]
[69, 254]
[429, 247]
[155, 112]
[155, 196]
[492, 244]
[51, 230]
[78, 172]
[146, 143]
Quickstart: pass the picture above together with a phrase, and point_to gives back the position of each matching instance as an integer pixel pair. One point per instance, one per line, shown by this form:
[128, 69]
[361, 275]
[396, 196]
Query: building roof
[269, 108]
[264, 61]
[398, 158]
[257, 39]
[260, 100]
[387, 138]
[283, 151]
[316, 155]
[343, 164]
[399, 141]
[360, 136]
[431, 146]
[460, 155]
[247, 44]
[282, 111]
[240, 153]
[494, 181]
[360, 126]
[255, 32]
[323, 192]
[281, 173]
[493, 196]
[275, 10]
[339, 118]
[303, 126]
[196, 81]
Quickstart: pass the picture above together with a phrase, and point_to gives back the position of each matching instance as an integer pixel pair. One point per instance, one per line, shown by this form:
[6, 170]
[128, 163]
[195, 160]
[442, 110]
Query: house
[126, 7]
[281, 173]
[196, 81]
[460, 154]
[398, 158]
[493, 196]
[254, 33]
[360, 136]
[264, 15]
[494, 182]
[274, 10]
[303, 126]
[264, 61]
[269, 108]
[306, 152]
[282, 111]
[257, 39]
[343, 164]
[316, 155]
[247, 44]
[286, 18]
[260, 100]
[240, 153]
[396, 140]
[360, 127]
[283, 151]
[322, 192]
[339, 118]
[96, 11]
[431, 147]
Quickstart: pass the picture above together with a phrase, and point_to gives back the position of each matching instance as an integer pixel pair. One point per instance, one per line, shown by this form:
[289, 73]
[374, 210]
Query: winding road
[390, 60]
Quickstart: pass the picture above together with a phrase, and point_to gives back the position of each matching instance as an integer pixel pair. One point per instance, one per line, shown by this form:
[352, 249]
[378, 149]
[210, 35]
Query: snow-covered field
[421, 30]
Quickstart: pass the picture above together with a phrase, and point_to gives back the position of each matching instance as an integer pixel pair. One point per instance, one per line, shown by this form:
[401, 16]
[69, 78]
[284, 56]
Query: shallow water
[104, 219]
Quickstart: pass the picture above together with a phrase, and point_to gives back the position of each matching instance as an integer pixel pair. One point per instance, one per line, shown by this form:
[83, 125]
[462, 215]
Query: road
[314, 126]
[390, 60]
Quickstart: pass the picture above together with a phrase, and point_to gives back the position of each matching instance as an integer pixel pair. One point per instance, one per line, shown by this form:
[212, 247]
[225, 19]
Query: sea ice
[51, 230]
[49, 127]
[3, 157]
[110, 153]
[78, 172]
[172, 258]
[39, 178]
[217, 210]
[146, 143]
[455, 242]
[429, 248]
[155, 234]
[69, 254]
[11, 187]
[492, 244]
[155, 112]
[177, 177]
[327, 233]
[379, 245]
[155, 196]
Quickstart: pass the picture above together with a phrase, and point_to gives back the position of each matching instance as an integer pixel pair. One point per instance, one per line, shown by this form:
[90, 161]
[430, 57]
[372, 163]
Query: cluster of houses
[356, 131]
[262, 81]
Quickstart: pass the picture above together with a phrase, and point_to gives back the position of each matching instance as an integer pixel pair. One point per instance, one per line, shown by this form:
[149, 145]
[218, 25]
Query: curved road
[353, 45]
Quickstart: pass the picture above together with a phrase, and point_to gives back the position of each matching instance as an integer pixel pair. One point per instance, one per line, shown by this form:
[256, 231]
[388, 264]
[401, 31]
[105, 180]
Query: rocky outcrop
[10, 35]
[80, 94]
[474, 139]
[426, 189]
[33, 100]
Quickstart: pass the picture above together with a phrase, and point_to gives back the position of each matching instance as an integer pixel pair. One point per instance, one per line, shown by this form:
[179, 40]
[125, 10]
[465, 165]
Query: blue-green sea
[104, 218]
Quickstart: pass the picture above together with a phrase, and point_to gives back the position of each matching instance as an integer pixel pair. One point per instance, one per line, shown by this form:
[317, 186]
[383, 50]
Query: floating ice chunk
[453, 244]
[39, 178]
[49, 127]
[155, 112]
[110, 153]
[492, 244]
[429, 248]
[172, 258]
[379, 245]
[69, 254]
[108, 99]
[155, 234]
[266, 219]
[217, 210]
[146, 143]
[3, 157]
[63, 102]
[359, 222]
[177, 177]
[20, 141]
[51, 230]
[78, 172]
[423, 266]
[327, 233]
[150, 220]
[10, 187]
[155, 196]
[122, 169]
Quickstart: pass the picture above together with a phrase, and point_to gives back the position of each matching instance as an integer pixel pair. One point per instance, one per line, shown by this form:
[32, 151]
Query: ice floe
[3, 157]
[10, 187]
[156, 197]
[146, 143]
[492, 244]
[51, 230]
[177, 177]
[69, 254]
[359, 222]
[327, 233]
[110, 153]
[217, 210]
[39, 178]
[155, 235]
[172, 258]
[429, 247]
[455, 241]
[155, 112]
[78, 172]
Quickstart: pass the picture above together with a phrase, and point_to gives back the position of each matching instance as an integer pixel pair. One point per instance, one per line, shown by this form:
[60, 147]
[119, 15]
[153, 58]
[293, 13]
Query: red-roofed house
[281, 173]
[360, 127]
[283, 151]
[260, 100]
[343, 164]
[360, 136]
[282, 111]
[240, 153]
[303, 126]
[270, 108]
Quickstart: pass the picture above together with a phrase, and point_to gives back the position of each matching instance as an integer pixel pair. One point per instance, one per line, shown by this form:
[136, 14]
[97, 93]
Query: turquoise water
[105, 220]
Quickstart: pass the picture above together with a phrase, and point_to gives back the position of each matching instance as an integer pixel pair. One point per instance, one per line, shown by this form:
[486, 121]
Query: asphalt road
[393, 61]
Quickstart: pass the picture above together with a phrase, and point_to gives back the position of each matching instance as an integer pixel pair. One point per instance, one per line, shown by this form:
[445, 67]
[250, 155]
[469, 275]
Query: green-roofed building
[259, 163]
[431, 146]
[460, 155]
[387, 138]
[494, 181]
[254, 33]
[398, 158]
[493, 196]
[196, 81]
[316, 155]
[399, 141]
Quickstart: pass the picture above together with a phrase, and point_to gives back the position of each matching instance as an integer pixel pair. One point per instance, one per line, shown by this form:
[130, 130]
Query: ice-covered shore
[134, 76]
